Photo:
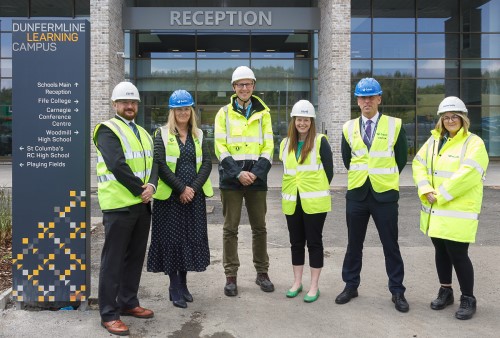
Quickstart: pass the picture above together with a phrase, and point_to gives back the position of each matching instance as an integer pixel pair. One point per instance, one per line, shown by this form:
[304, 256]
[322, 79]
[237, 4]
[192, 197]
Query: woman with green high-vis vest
[179, 239]
[307, 173]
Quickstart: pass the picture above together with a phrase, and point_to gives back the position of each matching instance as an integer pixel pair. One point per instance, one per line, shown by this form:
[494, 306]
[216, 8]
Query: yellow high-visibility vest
[308, 179]
[139, 157]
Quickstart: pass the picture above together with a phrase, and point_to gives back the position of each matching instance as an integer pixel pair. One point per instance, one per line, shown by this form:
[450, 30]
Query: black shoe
[264, 282]
[188, 297]
[467, 307]
[231, 289]
[346, 295]
[400, 302]
[444, 298]
[176, 297]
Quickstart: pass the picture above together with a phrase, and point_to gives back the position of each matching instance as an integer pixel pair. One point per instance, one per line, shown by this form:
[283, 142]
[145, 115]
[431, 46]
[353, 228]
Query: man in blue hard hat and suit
[374, 151]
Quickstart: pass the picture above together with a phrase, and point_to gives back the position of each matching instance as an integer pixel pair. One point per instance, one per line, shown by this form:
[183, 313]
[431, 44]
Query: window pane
[51, 8]
[480, 92]
[439, 16]
[481, 16]
[232, 46]
[438, 45]
[14, 8]
[216, 92]
[361, 46]
[281, 68]
[437, 68]
[393, 16]
[394, 68]
[166, 68]
[164, 85]
[490, 126]
[481, 68]
[219, 68]
[360, 68]
[285, 45]
[398, 46]
[5, 67]
[156, 45]
[398, 91]
[82, 7]
[430, 92]
[481, 46]
[426, 121]
[360, 16]
[6, 45]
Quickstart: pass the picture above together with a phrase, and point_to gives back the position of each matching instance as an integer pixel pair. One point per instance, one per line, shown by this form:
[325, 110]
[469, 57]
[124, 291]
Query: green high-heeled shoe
[310, 299]
[293, 294]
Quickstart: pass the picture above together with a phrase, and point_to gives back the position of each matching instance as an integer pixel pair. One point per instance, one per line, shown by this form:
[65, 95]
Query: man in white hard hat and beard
[244, 146]
[126, 181]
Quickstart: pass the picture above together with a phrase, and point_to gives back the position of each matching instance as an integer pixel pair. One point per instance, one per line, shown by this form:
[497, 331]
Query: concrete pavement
[256, 314]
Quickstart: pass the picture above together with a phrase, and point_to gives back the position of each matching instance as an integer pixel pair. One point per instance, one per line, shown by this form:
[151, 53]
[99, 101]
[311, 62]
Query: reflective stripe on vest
[451, 213]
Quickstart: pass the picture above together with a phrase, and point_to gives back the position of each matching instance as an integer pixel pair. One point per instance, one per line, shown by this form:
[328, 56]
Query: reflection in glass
[490, 127]
[393, 46]
[155, 45]
[229, 46]
[284, 45]
[437, 45]
[426, 121]
[481, 16]
[360, 68]
[165, 68]
[165, 85]
[281, 68]
[481, 46]
[360, 16]
[480, 91]
[6, 67]
[393, 16]
[399, 91]
[394, 68]
[361, 46]
[438, 18]
[437, 68]
[219, 68]
[481, 68]
[6, 45]
[430, 92]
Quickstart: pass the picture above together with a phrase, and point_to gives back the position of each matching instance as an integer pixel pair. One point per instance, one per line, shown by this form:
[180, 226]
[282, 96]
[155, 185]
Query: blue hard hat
[368, 87]
[180, 98]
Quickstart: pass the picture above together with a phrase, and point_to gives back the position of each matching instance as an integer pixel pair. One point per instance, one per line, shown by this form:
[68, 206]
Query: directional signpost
[51, 161]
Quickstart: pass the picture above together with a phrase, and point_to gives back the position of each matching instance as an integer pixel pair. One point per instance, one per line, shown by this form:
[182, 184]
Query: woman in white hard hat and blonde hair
[308, 171]
[449, 171]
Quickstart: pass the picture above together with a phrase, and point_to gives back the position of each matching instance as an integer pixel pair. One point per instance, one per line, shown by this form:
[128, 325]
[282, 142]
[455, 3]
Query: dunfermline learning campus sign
[51, 161]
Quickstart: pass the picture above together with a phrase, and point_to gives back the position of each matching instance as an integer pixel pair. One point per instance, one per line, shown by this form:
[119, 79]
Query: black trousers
[451, 254]
[306, 228]
[385, 216]
[122, 259]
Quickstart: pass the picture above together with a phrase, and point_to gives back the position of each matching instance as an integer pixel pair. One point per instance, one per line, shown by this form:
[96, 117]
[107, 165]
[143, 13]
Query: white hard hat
[303, 108]
[125, 91]
[242, 72]
[451, 104]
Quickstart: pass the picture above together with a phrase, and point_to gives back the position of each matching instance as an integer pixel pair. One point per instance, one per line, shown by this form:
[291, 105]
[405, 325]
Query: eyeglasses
[242, 85]
[126, 103]
[451, 118]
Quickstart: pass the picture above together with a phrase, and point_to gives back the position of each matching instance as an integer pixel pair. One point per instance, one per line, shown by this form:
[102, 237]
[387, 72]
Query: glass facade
[202, 63]
[422, 51]
[23, 9]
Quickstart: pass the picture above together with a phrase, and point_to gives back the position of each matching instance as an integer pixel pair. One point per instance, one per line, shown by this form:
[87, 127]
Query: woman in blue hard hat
[179, 240]
[308, 171]
[449, 171]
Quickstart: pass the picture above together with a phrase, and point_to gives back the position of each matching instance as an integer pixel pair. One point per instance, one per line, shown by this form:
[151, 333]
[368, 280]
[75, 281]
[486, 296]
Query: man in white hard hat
[244, 146]
[126, 181]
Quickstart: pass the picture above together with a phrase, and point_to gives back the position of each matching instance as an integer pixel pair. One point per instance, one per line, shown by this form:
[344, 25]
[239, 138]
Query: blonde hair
[172, 123]
[293, 139]
[441, 128]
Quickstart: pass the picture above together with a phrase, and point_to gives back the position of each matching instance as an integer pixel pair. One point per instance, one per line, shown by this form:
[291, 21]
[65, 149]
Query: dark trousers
[306, 228]
[385, 216]
[122, 259]
[451, 254]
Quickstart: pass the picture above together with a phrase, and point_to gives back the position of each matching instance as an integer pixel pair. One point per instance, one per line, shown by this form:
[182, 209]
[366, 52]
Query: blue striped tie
[136, 131]
[368, 133]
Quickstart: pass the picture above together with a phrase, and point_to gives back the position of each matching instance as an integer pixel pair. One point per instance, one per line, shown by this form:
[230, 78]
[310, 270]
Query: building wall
[334, 79]
[106, 63]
